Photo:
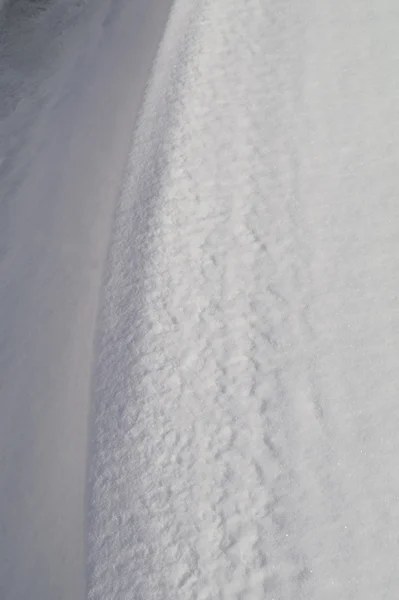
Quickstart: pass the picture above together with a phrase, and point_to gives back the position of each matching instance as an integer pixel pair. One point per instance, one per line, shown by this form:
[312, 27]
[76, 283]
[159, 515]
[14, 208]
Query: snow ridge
[222, 467]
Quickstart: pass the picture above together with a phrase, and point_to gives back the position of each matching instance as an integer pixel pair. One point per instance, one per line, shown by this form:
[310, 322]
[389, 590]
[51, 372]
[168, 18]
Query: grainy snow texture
[245, 437]
[245, 381]
[72, 76]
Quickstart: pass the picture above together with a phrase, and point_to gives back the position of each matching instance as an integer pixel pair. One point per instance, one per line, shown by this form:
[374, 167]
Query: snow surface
[244, 381]
[71, 81]
[244, 441]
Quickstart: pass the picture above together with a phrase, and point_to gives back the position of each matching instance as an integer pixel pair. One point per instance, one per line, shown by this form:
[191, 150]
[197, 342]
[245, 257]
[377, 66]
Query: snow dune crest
[192, 420]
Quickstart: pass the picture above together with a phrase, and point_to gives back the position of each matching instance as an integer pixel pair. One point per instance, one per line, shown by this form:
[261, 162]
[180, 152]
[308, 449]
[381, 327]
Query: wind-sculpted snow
[245, 394]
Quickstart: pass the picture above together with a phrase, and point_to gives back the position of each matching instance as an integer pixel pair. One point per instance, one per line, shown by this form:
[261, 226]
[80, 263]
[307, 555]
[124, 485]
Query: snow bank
[245, 420]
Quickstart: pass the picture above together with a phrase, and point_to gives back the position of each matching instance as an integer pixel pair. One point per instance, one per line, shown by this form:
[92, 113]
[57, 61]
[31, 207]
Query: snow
[244, 436]
[72, 76]
[199, 297]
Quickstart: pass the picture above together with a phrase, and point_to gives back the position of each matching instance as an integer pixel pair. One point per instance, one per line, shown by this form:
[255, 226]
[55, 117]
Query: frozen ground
[246, 387]
[244, 303]
[71, 80]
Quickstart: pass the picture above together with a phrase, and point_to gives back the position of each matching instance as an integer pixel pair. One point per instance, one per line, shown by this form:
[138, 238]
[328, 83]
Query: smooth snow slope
[71, 81]
[246, 394]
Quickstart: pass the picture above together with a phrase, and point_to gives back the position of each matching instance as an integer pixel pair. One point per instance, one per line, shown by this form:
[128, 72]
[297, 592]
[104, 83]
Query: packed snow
[72, 76]
[199, 298]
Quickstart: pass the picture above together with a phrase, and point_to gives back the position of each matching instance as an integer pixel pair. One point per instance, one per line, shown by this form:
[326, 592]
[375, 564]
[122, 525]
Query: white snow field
[72, 76]
[244, 441]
